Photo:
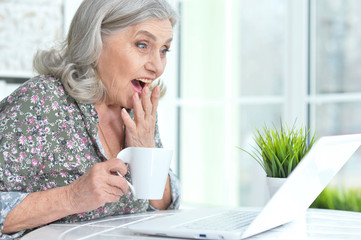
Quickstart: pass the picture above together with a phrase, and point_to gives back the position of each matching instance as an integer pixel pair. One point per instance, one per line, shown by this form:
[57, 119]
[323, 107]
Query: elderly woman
[60, 132]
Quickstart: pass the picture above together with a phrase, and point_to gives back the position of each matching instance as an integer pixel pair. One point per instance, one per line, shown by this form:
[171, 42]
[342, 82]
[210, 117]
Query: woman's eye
[165, 51]
[141, 45]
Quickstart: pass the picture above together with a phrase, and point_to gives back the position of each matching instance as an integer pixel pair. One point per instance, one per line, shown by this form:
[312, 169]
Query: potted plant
[347, 199]
[279, 151]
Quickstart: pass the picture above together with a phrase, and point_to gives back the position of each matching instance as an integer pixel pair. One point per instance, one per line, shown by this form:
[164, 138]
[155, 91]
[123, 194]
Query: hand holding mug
[98, 186]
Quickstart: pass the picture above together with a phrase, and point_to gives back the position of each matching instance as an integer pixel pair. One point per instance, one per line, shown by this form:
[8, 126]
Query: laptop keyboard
[230, 220]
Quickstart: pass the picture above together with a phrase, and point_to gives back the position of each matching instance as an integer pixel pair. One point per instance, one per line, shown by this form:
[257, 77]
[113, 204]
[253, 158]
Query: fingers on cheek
[156, 93]
[148, 96]
[136, 100]
[125, 115]
[129, 124]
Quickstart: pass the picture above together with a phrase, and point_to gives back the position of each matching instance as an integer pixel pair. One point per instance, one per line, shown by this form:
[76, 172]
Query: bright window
[245, 63]
[235, 65]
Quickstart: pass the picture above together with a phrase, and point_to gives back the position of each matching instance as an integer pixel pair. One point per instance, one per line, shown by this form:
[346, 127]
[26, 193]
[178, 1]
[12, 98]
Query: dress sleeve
[8, 201]
[175, 191]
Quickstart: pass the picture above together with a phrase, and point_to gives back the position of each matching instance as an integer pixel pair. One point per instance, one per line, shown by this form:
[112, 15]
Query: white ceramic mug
[149, 170]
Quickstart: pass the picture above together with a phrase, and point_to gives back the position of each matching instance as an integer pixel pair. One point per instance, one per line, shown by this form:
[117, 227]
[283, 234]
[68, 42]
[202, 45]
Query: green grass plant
[279, 151]
[339, 199]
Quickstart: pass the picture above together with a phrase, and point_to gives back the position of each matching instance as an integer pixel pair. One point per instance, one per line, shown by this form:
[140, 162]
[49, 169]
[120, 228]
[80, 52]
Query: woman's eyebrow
[150, 35]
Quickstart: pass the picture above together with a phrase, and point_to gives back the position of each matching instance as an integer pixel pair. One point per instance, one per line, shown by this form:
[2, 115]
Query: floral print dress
[48, 140]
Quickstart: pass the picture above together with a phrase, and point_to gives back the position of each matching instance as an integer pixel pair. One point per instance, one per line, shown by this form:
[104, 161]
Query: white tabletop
[315, 224]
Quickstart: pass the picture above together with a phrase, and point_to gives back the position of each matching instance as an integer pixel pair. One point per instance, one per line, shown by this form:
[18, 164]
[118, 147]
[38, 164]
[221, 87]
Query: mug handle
[124, 155]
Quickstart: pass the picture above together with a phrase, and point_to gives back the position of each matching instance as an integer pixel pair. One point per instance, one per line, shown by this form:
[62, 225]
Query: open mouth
[139, 84]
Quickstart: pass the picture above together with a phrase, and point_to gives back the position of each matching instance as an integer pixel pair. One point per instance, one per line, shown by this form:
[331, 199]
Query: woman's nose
[155, 64]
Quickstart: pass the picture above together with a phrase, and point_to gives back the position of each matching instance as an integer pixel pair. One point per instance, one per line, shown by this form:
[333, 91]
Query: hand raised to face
[140, 131]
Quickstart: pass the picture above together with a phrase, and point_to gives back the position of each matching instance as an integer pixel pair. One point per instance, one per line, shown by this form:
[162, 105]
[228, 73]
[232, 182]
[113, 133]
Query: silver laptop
[305, 183]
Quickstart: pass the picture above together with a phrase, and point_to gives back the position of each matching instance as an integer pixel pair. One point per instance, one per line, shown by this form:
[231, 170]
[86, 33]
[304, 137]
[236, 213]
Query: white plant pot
[274, 184]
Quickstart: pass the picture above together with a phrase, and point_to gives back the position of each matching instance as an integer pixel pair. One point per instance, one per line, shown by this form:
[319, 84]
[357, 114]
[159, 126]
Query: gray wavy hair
[75, 60]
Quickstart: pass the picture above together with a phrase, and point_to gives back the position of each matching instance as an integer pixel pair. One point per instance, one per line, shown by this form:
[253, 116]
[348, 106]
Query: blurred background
[235, 65]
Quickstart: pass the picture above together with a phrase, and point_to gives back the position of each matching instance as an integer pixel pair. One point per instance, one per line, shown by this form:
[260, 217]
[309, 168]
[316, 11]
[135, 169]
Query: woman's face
[133, 58]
